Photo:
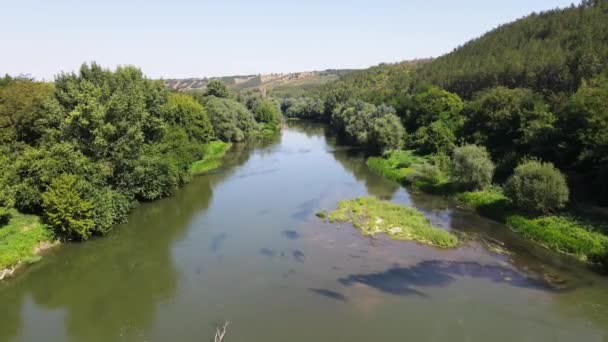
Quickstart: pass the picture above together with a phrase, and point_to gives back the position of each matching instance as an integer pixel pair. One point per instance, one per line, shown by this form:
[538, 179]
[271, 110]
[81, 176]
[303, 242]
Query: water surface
[243, 244]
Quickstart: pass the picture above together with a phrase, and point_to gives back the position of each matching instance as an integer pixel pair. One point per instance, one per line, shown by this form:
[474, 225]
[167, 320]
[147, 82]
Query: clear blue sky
[188, 38]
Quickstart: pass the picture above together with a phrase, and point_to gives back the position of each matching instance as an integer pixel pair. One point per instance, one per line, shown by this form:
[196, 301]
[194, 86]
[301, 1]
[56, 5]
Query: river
[243, 244]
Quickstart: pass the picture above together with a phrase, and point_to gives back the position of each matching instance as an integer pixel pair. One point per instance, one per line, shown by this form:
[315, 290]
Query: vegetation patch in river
[373, 216]
[213, 152]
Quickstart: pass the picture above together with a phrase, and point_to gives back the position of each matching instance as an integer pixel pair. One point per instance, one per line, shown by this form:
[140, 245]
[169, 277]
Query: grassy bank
[374, 216]
[21, 238]
[563, 232]
[214, 151]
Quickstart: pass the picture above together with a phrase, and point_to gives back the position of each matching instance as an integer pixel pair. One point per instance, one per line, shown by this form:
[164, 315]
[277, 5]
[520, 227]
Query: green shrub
[65, 209]
[5, 216]
[537, 187]
[472, 167]
[425, 172]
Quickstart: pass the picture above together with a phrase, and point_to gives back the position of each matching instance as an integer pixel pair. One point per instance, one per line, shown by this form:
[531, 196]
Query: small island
[373, 216]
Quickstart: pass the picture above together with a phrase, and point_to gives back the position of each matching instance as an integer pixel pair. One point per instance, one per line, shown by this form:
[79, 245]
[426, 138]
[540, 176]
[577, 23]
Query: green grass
[213, 153]
[270, 129]
[563, 233]
[373, 216]
[491, 203]
[409, 169]
[20, 237]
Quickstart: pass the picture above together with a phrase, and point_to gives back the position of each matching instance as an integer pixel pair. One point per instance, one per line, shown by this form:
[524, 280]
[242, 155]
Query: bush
[472, 167]
[425, 172]
[5, 216]
[537, 186]
[65, 209]
[231, 120]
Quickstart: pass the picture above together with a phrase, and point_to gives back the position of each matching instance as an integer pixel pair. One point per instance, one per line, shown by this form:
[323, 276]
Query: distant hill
[552, 51]
[280, 83]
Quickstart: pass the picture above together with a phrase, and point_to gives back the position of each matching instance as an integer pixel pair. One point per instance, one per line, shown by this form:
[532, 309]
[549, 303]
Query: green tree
[304, 108]
[230, 119]
[184, 111]
[267, 111]
[434, 138]
[431, 104]
[505, 120]
[387, 133]
[217, 88]
[365, 124]
[22, 110]
[585, 121]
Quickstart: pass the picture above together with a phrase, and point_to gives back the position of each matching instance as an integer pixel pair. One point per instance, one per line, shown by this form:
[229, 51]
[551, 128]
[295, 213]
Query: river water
[243, 245]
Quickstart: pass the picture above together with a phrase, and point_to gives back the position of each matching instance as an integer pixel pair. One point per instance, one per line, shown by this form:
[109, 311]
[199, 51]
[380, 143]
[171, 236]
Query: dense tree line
[535, 89]
[83, 150]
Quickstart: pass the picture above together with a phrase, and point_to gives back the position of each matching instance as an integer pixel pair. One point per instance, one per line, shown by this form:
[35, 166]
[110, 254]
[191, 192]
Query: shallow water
[243, 245]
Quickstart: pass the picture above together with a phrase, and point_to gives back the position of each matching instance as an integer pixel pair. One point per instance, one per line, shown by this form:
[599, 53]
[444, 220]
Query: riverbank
[566, 231]
[21, 242]
[24, 238]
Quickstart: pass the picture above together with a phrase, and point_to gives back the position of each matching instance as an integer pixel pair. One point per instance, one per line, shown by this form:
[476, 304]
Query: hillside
[550, 51]
[288, 83]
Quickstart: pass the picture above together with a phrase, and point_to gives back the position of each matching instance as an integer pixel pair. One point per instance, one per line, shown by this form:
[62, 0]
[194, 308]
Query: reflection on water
[243, 244]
